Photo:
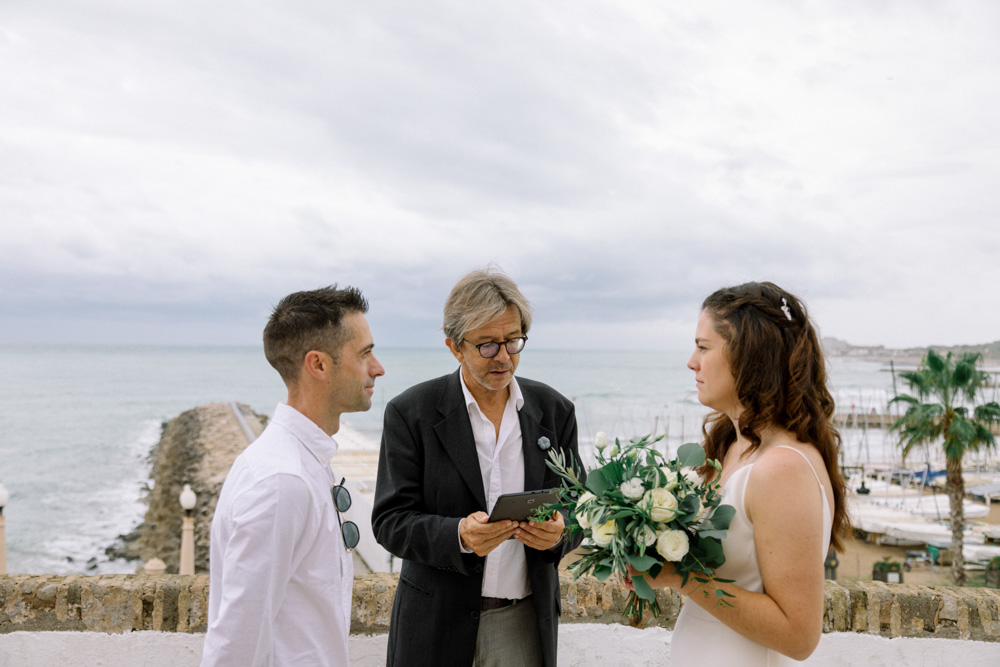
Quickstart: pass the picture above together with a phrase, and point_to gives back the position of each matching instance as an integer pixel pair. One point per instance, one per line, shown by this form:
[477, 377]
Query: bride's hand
[667, 578]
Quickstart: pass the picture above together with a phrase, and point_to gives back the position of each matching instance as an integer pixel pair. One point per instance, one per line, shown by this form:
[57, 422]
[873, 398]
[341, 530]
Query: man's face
[491, 374]
[352, 382]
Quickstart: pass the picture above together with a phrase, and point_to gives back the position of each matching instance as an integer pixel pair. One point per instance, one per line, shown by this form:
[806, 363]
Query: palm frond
[988, 412]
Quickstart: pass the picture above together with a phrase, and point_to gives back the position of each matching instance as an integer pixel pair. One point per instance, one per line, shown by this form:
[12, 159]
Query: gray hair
[478, 298]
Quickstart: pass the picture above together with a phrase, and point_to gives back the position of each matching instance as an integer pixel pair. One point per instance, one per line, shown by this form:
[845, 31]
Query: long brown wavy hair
[777, 362]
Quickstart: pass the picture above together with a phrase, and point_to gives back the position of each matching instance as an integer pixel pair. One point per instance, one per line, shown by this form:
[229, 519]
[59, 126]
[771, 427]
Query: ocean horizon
[78, 422]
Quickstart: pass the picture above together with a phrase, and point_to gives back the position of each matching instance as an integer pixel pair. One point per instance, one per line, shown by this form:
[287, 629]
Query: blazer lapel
[532, 430]
[455, 433]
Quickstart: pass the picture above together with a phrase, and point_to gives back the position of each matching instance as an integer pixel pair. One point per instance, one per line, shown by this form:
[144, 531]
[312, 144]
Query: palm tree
[952, 384]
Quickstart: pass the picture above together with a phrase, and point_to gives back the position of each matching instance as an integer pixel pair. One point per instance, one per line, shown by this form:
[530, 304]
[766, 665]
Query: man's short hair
[305, 321]
[480, 297]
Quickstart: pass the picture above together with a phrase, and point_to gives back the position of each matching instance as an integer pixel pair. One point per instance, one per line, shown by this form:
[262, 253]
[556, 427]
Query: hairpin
[785, 309]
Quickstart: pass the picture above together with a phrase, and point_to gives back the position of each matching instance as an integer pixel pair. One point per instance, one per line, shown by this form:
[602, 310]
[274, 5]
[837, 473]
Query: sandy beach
[858, 558]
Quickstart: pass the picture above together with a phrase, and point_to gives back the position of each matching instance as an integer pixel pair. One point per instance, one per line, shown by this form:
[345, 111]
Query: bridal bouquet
[638, 508]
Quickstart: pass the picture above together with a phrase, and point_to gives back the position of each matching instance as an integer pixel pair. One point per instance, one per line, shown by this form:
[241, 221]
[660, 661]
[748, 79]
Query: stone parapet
[904, 610]
[175, 603]
[112, 603]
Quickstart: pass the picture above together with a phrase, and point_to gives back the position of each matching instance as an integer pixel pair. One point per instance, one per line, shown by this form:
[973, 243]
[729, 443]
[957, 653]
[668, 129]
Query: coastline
[910, 356]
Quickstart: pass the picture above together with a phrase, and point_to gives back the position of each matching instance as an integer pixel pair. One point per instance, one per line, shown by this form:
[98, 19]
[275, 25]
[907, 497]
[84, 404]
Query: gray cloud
[170, 172]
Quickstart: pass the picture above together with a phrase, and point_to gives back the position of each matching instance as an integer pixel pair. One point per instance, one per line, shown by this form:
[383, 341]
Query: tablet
[520, 506]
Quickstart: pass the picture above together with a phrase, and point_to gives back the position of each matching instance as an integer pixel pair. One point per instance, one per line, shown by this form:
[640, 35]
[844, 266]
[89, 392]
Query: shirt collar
[515, 393]
[315, 439]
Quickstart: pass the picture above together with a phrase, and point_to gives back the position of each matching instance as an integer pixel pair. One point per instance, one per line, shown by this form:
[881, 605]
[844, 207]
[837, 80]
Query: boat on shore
[889, 513]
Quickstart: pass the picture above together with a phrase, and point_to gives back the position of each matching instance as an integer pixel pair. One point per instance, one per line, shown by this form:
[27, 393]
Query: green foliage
[887, 565]
[940, 411]
[618, 513]
[937, 412]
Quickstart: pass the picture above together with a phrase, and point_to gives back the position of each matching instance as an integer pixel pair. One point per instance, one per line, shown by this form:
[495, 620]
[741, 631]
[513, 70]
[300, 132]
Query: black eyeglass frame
[342, 502]
[517, 342]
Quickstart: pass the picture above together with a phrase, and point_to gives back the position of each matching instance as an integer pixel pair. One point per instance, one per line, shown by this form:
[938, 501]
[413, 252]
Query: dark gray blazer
[428, 480]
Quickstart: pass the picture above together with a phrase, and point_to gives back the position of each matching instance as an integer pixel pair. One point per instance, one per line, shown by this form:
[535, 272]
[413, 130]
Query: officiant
[467, 593]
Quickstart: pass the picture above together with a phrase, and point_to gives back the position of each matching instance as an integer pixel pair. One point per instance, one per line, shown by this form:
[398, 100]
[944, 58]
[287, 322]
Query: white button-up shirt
[281, 577]
[501, 462]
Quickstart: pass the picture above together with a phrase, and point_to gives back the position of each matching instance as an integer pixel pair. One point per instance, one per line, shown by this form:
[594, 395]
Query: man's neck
[330, 423]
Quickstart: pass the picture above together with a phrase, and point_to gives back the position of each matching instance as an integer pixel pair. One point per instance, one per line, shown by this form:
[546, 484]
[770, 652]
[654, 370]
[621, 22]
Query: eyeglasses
[491, 349]
[342, 501]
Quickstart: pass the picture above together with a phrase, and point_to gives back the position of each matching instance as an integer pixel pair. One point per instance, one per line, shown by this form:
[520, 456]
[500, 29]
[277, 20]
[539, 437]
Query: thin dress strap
[827, 513]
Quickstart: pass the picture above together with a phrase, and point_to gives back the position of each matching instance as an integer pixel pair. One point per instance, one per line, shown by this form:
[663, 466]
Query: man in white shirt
[450, 448]
[281, 569]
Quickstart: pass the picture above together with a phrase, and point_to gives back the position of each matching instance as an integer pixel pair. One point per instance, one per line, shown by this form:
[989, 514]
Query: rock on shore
[197, 447]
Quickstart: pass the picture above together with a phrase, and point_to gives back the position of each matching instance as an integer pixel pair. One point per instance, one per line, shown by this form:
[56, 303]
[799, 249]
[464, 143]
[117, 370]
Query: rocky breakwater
[197, 448]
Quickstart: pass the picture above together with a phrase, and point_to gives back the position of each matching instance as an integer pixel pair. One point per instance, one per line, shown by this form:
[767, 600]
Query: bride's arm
[784, 503]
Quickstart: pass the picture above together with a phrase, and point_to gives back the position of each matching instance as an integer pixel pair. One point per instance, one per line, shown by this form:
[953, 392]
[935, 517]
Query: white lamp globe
[188, 498]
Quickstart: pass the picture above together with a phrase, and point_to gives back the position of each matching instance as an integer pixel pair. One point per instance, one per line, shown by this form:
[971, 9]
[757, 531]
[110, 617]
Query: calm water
[77, 423]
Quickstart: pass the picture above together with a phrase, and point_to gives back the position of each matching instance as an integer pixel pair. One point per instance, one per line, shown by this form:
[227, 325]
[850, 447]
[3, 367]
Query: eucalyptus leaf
[717, 534]
[723, 516]
[689, 504]
[643, 589]
[642, 563]
[597, 483]
[691, 454]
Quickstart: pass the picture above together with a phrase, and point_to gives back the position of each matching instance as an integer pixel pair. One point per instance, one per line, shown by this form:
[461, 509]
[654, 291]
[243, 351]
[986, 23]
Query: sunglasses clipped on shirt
[342, 501]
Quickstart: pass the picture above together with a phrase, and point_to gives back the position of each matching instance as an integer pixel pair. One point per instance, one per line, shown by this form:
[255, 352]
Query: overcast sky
[168, 171]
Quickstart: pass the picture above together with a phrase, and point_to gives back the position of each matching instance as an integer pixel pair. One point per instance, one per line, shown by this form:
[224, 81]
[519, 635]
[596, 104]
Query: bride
[758, 364]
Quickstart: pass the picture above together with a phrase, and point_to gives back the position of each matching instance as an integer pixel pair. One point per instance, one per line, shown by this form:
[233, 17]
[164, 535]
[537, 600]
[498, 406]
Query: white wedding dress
[698, 638]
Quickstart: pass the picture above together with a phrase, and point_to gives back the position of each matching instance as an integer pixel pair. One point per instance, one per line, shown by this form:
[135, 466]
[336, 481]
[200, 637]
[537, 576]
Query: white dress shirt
[281, 577]
[501, 462]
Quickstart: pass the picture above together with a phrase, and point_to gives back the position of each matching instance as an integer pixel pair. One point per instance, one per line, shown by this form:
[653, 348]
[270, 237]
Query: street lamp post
[188, 501]
[4, 497]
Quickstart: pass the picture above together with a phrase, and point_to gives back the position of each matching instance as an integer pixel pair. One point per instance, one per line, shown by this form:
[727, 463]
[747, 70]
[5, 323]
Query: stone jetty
[197, 447]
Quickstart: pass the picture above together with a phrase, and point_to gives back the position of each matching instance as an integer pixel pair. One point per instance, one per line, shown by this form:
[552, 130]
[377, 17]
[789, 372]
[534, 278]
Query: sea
[77, 423]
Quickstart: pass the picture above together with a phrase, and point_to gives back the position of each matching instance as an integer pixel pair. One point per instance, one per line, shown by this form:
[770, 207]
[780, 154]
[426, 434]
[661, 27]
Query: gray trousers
[508, 637]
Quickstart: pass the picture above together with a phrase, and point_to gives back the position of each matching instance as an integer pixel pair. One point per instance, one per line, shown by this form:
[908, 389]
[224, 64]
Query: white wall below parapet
[579, 644]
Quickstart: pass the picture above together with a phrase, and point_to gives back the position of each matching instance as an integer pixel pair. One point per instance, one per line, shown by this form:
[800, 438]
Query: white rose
[661, 503]
[582, 512]
[632, 489]
[600, 441]
[613, 450]
[672, 478]
[647, 536]
[672, 545]
[604, 533]
[692, 476]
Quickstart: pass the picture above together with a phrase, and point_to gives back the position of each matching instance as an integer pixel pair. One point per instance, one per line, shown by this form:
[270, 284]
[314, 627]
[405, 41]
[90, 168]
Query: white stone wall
[579, 644]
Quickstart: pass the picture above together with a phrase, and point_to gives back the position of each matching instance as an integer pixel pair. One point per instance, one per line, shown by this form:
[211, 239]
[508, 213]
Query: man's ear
[456, 349]
[317, 364]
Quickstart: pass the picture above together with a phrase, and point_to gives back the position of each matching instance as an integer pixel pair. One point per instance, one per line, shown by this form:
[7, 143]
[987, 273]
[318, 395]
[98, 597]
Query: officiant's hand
[478, 534]
[540, 535]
